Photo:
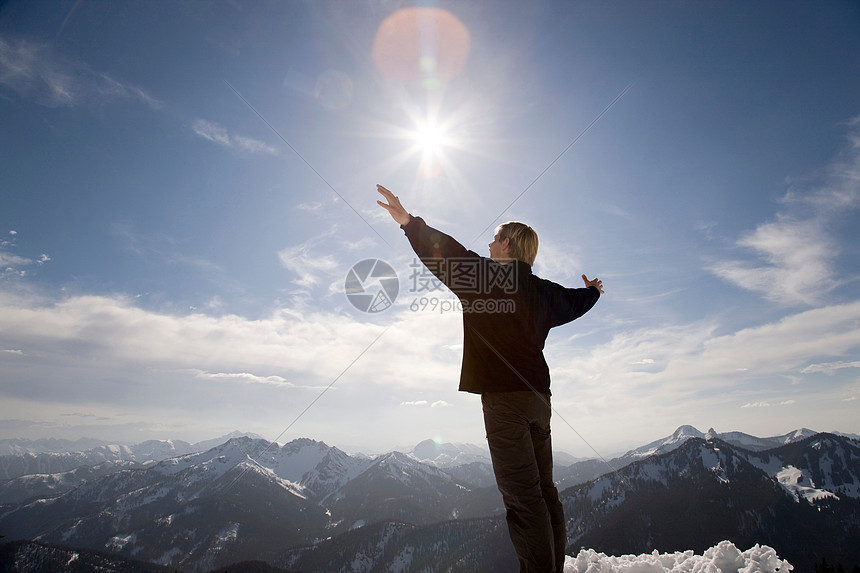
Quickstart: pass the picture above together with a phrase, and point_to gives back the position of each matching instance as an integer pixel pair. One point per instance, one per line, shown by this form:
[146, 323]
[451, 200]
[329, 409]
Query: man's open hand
[394, 208]
[596, 283]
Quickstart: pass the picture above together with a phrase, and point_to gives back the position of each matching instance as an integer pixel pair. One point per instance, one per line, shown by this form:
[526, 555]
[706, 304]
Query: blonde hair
[523, 244]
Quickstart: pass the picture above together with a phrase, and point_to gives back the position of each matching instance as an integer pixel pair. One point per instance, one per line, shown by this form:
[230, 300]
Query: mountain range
[307, 506]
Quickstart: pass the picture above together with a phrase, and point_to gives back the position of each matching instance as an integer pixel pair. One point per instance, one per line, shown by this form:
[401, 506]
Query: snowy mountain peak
[663, 445]
[446, 455]
[686, 432]
[301, 443]
[798, 435]
[738, 439]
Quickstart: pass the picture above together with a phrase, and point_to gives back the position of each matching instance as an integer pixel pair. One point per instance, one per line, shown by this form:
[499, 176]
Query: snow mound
[722, 558]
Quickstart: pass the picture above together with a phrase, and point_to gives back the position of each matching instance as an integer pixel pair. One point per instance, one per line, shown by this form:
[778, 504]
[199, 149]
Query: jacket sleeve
[567, 304]
[448, 260]
[429, 243]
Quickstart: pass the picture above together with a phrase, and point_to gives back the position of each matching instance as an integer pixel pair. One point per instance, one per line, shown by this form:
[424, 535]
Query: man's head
[514, 241]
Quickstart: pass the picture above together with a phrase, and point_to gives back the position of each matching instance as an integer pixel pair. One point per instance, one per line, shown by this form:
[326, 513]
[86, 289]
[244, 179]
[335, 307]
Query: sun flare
[430, 138]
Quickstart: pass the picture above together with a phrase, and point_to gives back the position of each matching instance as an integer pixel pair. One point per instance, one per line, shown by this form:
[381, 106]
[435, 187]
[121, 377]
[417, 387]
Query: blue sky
[172, 258]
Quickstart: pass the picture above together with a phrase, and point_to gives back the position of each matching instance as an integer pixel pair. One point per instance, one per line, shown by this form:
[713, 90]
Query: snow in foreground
[722, 558]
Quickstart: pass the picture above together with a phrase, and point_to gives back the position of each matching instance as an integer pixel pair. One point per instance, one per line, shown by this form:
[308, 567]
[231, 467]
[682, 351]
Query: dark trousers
[517, 425]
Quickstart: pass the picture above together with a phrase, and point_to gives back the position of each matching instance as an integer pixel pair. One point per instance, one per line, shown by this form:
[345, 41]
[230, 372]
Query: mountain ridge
[248, 498]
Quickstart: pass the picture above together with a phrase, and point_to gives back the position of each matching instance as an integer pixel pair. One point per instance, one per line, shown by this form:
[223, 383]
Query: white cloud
[36, 70]
[768, 404]
[144, 368]
[794, 255]
[254, 146]
[14, 264]
[702, 373]
[797, 257]
[556, 262]
[244, 377]
[211, 131]
[9, 260]
[311, 268]
[830, 367]
[436, 404]
[219, 134]
[117, 357]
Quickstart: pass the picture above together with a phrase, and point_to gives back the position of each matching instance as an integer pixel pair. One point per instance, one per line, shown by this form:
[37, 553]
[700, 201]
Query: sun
[430, 138]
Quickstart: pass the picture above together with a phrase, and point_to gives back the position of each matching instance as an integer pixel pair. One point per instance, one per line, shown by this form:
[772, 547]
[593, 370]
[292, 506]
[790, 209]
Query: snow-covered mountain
[188, 511]
[41, 486]
[446, 455]
[306, 504]
[52, 456]
[801, 498]
[586, 470]
[740, 439]
[245, 498]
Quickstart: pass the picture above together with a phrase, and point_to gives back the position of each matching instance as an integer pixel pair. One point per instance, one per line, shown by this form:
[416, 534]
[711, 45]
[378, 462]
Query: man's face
[499, 249]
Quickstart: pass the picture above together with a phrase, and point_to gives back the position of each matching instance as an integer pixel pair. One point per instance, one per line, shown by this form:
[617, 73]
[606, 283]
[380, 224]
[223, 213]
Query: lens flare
[421, 45]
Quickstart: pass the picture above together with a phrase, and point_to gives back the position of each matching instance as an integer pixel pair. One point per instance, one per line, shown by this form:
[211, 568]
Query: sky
[186, 187]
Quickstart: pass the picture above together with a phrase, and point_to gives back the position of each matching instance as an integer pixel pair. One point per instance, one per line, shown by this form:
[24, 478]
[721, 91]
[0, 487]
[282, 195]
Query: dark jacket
[507, 312]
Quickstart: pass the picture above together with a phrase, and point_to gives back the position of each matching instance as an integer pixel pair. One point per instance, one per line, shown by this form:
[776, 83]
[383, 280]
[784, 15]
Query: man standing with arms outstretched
[507, 314]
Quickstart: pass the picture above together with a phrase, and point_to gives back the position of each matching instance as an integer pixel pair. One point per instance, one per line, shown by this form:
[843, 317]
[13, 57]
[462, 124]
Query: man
[507, 314]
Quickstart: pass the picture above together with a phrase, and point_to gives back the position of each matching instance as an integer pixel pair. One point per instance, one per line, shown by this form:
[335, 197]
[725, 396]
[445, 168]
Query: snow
[795, 482]
[722, 558]
[228, 534]
[118, 542]
[712, 461]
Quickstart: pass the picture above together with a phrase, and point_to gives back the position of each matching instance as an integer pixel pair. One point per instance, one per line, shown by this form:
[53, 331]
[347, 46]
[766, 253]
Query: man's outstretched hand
[394, 208]
[596, 283]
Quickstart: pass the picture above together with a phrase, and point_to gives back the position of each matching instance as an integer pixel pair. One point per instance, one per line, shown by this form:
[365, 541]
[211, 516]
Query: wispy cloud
[16, 265]
[243, 377]
[312, 266]
[793, 256]
[830, 367]
[141, 362]
[556, 262]
[219, 134]
[35, 70]
[436, 404]
[795, 263]
[700, 371]
[768, 404]
[227, 369]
